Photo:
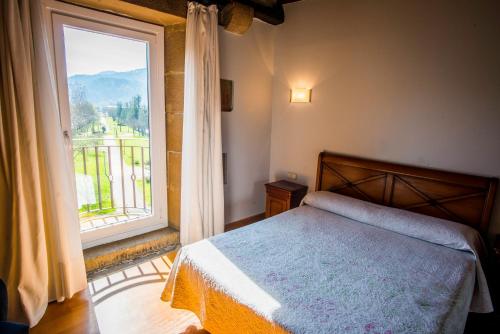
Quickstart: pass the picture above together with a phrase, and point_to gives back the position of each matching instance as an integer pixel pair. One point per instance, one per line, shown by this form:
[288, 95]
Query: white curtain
[202, 192]
[40, 247]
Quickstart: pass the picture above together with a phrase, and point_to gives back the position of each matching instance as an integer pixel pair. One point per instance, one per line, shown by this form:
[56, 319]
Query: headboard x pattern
[458, 197]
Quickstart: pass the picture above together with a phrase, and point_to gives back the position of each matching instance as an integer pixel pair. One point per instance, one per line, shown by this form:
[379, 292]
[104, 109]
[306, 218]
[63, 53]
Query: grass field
[87, 160]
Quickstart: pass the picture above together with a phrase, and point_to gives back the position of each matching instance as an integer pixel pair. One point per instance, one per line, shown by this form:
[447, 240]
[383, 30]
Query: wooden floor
[73, 316]
[127, 301]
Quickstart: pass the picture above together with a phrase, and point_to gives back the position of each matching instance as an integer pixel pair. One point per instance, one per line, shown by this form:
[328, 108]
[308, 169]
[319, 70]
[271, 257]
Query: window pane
[108, 93]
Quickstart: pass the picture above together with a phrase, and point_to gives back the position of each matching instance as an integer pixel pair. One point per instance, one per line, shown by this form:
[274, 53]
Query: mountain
[108, 88]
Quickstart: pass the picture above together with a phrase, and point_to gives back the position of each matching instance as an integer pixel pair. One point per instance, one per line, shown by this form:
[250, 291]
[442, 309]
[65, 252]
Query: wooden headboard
[458, 197]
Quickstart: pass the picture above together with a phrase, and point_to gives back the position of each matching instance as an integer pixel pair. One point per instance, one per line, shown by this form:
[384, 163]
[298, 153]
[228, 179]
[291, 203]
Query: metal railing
[115, 169]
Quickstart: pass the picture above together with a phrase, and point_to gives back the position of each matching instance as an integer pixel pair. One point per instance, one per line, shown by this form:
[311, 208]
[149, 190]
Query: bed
[378, 248]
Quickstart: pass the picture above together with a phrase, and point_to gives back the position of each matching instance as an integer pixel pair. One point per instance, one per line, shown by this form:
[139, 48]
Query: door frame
[56, 16]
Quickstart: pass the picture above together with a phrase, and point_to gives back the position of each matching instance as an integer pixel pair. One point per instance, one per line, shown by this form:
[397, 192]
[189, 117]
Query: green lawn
[132, 141]
[90, 167]
[136, 148]
[133, 144]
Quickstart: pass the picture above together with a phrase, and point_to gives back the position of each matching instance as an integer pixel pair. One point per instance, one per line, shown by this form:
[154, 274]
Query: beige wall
[246, 131]
[416, 82]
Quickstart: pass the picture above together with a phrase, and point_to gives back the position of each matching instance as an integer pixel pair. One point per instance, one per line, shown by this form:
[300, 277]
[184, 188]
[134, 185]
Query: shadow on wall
[264, 36]
[232, 209]
[259, 190]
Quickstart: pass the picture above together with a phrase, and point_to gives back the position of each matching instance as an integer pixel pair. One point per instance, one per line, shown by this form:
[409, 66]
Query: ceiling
[270, 11]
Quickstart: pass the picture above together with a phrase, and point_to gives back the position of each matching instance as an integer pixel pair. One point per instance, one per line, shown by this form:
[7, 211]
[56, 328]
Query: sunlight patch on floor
[128, 301]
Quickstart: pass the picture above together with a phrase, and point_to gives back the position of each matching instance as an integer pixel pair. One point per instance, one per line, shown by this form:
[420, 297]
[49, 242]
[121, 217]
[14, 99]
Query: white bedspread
[310, 270]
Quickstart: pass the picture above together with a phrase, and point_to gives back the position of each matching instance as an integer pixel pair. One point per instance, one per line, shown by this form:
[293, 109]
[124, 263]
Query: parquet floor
[125, 302]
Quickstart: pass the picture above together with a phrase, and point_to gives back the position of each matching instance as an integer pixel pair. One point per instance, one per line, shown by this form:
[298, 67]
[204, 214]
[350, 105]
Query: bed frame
[462, 198]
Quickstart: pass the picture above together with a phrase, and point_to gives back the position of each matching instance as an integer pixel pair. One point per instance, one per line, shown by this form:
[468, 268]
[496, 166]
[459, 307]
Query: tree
[133, 115]
[143, 121]
[83, 113]
[83, 116]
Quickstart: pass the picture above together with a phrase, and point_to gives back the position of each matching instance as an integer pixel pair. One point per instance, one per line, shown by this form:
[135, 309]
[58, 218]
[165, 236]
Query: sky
[90, 53]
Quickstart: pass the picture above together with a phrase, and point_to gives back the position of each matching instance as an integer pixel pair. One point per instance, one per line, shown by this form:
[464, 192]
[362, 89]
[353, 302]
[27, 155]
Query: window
[111, 96]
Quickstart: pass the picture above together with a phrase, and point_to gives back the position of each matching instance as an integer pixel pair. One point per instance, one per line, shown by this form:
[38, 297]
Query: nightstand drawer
[278, 193]
[275, 206]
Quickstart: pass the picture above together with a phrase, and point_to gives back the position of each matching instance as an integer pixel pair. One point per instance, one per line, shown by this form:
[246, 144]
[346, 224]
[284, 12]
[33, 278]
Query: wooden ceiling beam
[176, 7]
[137, 9]
[273, 15]
[270, 11]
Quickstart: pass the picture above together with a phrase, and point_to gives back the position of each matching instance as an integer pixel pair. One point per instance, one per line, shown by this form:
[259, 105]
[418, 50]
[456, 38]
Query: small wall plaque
[226, 95]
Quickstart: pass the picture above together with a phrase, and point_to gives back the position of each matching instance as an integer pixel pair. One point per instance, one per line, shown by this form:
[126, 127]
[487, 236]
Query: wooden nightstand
[282, 196]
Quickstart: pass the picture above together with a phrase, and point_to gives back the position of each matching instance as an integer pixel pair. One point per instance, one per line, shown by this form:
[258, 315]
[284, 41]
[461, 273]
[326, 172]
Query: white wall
[246, 131]
[415, 82]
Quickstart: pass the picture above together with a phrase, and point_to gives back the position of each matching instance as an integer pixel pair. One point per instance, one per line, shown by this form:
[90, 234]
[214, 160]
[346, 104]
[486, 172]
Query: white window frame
[56, 16]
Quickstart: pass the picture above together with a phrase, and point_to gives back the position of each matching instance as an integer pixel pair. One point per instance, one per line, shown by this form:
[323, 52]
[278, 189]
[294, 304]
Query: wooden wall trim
[244, 222]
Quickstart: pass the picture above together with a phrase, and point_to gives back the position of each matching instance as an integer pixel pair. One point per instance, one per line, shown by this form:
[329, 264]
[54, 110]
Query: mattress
[314, 269]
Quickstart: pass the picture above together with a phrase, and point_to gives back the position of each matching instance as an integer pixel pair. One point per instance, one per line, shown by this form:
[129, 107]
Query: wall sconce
[300, 95]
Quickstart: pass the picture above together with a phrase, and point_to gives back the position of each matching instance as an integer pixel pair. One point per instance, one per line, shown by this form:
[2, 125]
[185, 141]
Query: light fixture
[300, 95]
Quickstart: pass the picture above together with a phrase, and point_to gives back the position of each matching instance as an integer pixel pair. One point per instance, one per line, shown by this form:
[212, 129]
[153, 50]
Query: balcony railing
[112, 177]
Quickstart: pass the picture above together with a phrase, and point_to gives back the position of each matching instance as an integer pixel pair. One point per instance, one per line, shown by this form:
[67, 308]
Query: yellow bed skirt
[218, 313]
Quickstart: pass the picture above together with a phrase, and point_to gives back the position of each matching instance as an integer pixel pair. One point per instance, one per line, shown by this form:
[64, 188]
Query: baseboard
[244, 222]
